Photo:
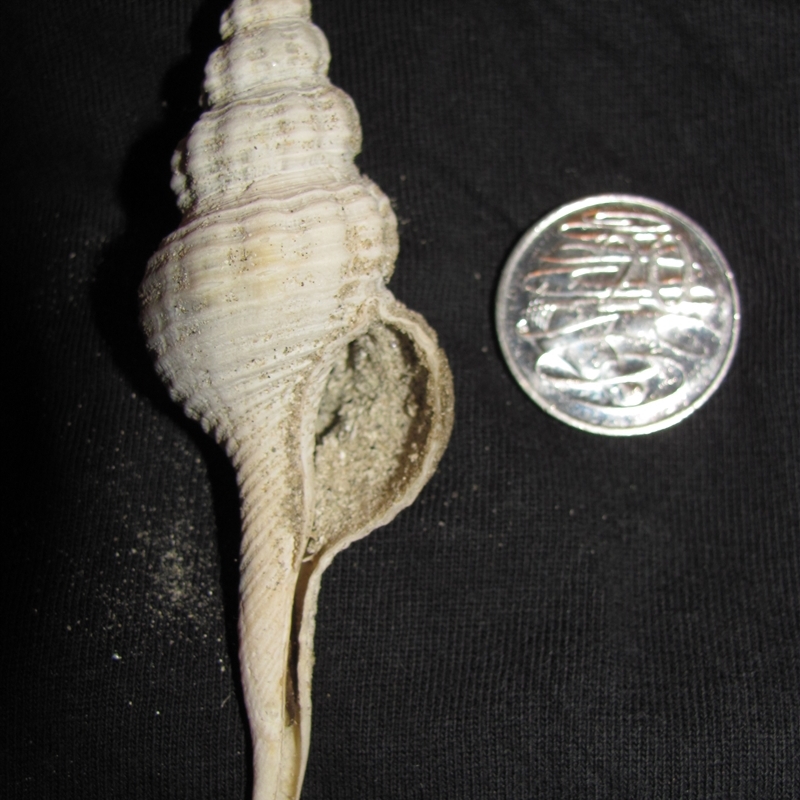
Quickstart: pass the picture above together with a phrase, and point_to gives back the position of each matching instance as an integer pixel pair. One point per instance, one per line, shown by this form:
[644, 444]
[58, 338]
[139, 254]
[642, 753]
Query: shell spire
[270, 321]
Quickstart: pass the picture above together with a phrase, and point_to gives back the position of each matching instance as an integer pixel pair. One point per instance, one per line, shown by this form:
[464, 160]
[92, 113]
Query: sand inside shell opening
[372, 430]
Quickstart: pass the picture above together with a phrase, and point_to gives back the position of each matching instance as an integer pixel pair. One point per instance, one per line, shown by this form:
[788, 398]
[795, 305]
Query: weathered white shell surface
[271, 323]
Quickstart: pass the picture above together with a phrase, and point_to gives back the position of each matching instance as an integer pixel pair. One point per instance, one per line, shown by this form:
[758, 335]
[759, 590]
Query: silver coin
[618, 315]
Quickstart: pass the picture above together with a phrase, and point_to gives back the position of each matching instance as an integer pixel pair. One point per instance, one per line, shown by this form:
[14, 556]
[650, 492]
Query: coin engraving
[618, 314]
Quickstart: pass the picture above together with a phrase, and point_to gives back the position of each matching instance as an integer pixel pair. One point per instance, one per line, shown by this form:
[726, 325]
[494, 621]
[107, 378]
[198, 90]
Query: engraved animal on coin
[618, 314]
[270, 321]
[620, 308]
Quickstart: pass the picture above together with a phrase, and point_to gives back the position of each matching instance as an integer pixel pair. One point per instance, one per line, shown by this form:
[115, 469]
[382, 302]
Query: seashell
[270, 321]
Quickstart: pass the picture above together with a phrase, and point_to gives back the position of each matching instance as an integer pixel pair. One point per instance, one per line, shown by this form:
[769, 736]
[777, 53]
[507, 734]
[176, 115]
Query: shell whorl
[275, 124]
[270, 321]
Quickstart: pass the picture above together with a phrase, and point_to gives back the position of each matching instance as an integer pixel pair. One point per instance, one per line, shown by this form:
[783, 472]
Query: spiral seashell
[271, 323]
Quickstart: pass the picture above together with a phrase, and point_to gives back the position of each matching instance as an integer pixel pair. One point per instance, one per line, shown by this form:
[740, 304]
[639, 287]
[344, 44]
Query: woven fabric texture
[560, 615]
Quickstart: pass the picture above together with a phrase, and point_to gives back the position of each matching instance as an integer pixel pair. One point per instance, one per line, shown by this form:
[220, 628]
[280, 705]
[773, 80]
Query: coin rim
[534, 232]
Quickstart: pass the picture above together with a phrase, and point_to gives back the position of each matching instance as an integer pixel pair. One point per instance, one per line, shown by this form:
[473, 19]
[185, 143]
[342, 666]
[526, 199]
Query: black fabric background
[560, 615]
